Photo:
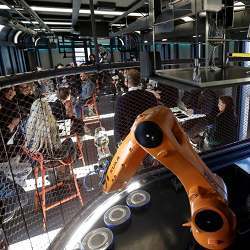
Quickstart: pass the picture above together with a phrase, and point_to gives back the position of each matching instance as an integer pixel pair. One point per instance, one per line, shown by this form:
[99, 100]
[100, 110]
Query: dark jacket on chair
[128, 107]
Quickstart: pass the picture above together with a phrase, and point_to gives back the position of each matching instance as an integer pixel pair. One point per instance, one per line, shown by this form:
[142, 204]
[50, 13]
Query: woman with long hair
[224, 129]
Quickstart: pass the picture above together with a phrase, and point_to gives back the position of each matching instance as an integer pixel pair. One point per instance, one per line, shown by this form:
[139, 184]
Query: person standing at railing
[131, 104]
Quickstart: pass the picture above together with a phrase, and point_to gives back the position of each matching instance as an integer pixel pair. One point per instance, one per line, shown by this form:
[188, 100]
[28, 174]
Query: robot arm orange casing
[157, 132]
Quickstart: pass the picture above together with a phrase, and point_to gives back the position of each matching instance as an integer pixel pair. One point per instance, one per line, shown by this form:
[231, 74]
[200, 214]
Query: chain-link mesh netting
[52, 141]
[57, 138]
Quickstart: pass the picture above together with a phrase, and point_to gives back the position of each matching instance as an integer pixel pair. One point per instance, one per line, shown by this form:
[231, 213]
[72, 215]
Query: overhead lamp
[51, 9]
[84, 11]
[29, 22]
[187, 19]
[16, 36]
[58, 23]
[49, 23]
[118, 24]
[239, 6]
[4, 7]
[1, 27]
[62, 30]
[138, 32]
[164, 39]
[39, 29]
[145, 41]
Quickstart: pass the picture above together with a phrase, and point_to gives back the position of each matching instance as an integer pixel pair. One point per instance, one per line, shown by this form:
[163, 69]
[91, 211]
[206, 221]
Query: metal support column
[93, 25]
[50, 58]
[206, 42]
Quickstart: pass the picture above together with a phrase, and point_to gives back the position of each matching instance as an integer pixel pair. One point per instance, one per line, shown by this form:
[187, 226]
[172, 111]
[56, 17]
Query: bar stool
[91, 103]
[39, 157]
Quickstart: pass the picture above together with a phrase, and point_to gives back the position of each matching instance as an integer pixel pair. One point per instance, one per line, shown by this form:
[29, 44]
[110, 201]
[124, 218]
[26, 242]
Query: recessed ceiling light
[187, 19]
[164, 39]
[145, 41]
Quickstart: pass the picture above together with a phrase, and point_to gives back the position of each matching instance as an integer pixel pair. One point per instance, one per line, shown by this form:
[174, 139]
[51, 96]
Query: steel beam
[33, 13]
[12, 80]
[132, 9]
[93, 25]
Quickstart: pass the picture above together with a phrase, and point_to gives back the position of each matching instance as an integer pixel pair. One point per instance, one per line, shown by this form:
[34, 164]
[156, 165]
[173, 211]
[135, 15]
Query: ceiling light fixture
[187, 19]
[62, 30]
[51, 9]
[29, 22]
[239, 6]
[164, 39]
[97, 12]
[49, 23]
[58, 23]
[145, 41]
[4, 7]
[118, 25]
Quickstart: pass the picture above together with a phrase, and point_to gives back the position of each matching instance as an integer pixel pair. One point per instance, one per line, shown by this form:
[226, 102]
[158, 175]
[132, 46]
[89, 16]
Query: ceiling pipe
[75, 13]
[13, 9]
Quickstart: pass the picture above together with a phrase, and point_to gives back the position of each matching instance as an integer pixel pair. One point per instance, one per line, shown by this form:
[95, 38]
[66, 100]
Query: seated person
[224, 130]
[24, 98]
[44, 86]
[199, 102]
[42, 134]
[9, 120]
[131, 104]
[92, 60]
[86, 93]
[62, 110]
[87, 87]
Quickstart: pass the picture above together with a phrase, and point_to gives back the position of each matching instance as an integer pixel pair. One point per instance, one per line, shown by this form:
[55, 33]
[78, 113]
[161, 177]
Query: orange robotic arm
[157, 132]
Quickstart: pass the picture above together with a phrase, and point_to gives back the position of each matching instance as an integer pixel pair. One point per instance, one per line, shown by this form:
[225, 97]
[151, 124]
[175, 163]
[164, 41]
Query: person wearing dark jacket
[9, 121]
[24, 98]
[130, 105]
[224, 129]
[62, 111]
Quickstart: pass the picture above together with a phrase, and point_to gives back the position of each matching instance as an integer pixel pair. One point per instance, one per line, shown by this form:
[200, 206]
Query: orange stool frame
[42, 194]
